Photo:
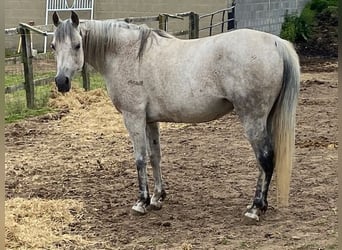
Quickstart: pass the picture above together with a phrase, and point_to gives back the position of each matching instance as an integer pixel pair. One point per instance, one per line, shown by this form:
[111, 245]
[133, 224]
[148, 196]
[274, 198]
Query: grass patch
[17, 79]
[14, 79]
[15, 103]
[27, 113]
[11, 53]
[96, 80]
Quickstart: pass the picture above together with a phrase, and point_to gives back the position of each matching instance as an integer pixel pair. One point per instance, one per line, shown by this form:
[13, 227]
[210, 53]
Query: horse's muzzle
[63, 83]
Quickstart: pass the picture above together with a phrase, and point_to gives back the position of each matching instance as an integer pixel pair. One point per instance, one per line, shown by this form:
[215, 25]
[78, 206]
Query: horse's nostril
[62, 83]
[60, 80]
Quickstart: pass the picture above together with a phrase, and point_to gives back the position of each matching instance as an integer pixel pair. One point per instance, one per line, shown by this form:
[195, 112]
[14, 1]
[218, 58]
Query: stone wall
[265, 15]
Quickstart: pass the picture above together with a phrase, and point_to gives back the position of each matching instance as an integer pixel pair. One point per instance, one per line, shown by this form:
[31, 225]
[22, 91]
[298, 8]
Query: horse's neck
[104, 39]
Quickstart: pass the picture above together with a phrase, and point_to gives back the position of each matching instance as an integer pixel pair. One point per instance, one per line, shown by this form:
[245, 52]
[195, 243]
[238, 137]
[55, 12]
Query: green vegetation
[17, 79]
[294, 29]
[11, 53]
[15, 103]
[26, 113]
[96, 80]
[299, 28]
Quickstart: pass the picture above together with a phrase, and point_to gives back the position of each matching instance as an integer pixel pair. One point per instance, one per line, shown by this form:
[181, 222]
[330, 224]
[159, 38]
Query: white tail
[284, 120]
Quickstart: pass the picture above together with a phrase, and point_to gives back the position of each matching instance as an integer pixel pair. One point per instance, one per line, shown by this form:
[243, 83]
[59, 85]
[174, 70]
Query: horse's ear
[74, 19]
[55, 18]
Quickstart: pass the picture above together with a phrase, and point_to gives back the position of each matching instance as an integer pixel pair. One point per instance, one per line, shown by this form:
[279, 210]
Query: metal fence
[221, 21]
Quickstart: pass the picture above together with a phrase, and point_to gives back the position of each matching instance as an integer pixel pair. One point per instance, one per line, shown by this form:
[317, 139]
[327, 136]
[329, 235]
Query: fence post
[193, 25]
[162, 22]
[85, 77]
[231, 18]
[26, 54]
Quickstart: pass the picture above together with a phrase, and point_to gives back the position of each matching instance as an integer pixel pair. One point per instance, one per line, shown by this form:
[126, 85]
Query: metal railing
[62, 5]
[227, 19]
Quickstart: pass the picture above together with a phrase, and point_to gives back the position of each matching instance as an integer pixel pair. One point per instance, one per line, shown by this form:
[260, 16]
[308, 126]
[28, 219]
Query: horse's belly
[189, 111]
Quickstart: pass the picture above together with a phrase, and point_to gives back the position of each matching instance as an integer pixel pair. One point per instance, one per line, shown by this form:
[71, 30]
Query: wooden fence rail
[38, 82]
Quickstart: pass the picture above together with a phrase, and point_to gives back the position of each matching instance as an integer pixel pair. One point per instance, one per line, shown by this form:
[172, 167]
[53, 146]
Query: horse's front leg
[152, 132]
[136, 124]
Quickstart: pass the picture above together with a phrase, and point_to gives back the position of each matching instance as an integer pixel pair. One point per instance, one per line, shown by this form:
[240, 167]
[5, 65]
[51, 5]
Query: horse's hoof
[157, 200]
[253, 213]
[156, 205]
[139, 208]
[252, 216]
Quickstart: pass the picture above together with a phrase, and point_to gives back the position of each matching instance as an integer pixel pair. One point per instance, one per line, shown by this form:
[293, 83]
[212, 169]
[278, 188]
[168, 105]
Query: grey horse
[152, 76]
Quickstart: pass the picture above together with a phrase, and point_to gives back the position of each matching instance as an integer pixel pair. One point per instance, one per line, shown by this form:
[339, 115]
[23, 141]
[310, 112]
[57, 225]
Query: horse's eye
[78, 46]
[52, 46]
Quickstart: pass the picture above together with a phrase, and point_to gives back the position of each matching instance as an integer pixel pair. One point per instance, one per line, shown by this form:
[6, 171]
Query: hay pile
[41, 224]
[93, 109]
[77, 98]
[88, 110]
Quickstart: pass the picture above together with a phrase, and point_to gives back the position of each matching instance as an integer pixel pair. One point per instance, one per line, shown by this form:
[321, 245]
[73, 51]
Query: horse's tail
[283, 119]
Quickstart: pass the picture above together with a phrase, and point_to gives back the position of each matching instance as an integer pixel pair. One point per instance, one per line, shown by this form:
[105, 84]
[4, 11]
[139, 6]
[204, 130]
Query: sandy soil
[83, 153]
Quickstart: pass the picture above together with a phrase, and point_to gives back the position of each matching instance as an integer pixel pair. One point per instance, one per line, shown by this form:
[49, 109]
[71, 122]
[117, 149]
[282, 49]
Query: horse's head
[67, 44]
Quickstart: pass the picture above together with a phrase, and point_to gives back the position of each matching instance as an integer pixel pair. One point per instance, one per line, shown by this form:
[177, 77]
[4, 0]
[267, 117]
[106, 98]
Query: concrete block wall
[17, 11]
[265, 15]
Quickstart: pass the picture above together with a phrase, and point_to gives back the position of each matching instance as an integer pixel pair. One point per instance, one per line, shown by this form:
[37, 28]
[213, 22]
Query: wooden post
[193, 25]
[26, 53]
[162, 22]
[85, 77]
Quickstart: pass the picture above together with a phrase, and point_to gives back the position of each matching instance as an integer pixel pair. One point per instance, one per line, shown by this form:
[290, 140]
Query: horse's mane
[100, 37]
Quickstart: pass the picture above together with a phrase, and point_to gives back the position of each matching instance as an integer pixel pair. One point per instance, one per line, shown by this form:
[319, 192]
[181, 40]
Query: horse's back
[203, 79]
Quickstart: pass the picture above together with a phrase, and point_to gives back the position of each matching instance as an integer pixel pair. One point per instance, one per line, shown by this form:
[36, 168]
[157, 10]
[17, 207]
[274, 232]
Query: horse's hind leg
[262, 145]
[136, 125]
[152, 132]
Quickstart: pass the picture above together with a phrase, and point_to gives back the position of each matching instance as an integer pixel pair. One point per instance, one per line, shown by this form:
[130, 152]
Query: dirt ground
[83, 154]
